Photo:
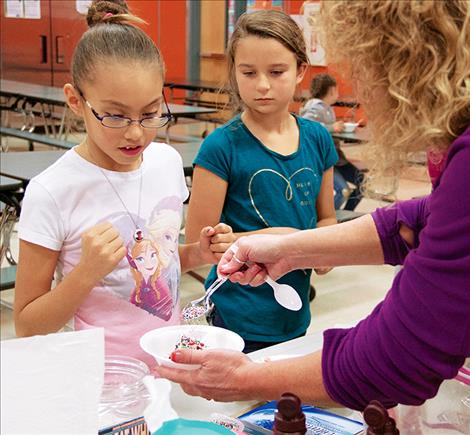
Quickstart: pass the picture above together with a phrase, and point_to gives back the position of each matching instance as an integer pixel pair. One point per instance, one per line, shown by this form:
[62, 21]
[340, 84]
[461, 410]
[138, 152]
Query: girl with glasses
[84, 218]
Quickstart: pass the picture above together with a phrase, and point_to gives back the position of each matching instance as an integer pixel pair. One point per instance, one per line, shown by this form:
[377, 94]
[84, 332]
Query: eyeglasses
[117, 121]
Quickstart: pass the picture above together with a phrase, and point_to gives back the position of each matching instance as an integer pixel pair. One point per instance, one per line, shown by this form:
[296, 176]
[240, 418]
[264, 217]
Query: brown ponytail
[110, 11]
[112, 36]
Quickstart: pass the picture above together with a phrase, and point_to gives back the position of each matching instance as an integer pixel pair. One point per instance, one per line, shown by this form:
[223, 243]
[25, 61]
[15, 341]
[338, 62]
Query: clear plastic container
[448, 413]
[124, 395]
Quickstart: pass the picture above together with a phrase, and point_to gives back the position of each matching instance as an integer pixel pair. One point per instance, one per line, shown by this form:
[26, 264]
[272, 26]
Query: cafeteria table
[32, 94]
[360, 135]
[24, 165]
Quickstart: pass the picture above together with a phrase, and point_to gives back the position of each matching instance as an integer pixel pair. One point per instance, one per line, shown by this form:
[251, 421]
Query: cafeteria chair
[11, 193]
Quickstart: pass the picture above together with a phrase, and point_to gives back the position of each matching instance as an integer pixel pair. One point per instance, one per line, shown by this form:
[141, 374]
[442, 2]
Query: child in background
[265, 171]
[324, 92]
[94, 217]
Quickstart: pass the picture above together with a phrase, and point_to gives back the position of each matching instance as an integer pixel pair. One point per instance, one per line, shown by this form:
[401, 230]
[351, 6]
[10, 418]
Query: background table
[53, 95]
[360, 135]
[8, 184]
[192, 85]
[24, 165]
[27, 93]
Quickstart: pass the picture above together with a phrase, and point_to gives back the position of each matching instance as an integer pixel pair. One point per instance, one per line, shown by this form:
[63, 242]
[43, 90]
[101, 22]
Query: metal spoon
[197, 309]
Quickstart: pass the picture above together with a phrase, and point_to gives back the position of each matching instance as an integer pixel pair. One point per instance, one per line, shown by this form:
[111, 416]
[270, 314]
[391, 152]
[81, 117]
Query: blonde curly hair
[410, 62]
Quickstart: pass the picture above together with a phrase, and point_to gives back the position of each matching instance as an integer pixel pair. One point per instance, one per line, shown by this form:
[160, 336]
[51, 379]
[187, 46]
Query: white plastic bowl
[161, 342]
[349, 127]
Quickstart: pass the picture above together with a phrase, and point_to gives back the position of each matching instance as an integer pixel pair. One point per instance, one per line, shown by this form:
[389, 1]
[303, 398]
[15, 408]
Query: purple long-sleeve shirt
[420, 334]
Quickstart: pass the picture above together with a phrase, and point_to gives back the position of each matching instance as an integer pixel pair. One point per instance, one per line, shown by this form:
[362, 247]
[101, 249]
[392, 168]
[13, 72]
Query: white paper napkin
[51, 384]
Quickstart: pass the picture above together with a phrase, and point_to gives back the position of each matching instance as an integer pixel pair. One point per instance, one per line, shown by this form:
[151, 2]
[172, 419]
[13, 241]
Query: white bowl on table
[349, 127]
[161, 342]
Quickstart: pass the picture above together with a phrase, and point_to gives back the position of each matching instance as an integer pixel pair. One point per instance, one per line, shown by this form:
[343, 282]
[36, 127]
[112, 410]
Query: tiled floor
[344, 295]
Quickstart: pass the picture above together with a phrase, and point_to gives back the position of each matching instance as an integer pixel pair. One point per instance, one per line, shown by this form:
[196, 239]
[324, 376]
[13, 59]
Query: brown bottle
[378, 420]
[289, 418]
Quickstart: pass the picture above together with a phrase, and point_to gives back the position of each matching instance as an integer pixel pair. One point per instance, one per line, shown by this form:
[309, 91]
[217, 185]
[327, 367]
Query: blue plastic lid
[182, 426]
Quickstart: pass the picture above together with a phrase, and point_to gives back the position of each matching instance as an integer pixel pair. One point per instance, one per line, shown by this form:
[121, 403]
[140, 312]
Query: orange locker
[39, 50]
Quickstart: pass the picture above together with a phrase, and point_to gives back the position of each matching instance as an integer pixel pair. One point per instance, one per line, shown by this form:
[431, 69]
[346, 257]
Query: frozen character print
[163, 228]
[151, 293]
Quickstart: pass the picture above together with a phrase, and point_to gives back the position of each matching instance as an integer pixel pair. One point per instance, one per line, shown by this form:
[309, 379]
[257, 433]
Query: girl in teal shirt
[265, 171]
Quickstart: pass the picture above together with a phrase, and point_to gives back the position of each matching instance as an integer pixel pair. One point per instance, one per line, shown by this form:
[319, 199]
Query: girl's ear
[73, 99]
[301, 70]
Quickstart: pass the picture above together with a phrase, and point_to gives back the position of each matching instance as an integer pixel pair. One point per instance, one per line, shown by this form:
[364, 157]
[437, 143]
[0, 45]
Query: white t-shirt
[72, 196]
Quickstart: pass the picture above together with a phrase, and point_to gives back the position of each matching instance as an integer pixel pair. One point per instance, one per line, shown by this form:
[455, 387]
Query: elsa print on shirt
[163, 228]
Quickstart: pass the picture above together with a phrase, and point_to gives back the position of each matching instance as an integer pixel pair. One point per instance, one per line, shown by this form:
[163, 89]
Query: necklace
[138, 233]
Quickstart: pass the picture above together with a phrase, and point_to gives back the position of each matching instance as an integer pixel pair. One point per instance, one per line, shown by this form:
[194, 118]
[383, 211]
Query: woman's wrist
[292, 248]
[255, 382]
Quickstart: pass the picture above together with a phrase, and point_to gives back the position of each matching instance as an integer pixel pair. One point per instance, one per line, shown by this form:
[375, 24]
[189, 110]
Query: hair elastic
[108, 14]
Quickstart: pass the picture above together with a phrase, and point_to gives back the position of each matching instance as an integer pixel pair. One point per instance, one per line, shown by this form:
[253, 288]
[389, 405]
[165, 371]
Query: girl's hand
[214, 241]
[102, 250]
[222, 375]
[222, 239]
[257, 256]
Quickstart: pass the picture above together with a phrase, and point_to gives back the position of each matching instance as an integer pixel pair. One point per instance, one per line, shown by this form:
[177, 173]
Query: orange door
[26, 46]
[67, 27]
[40, 50]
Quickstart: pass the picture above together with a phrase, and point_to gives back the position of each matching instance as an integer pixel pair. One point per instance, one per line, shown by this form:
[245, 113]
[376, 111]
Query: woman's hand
[214, 241]
[102, 250]
[257, 256]
[222, 375]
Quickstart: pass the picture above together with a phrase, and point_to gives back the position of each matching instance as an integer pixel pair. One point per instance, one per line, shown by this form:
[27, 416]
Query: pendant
[138, 235]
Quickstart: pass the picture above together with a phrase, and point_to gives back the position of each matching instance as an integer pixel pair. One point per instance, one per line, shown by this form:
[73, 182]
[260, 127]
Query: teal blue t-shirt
[266, 189]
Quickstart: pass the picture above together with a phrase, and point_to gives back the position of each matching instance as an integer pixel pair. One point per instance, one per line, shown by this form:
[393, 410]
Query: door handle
[59, 49]
[43, 40]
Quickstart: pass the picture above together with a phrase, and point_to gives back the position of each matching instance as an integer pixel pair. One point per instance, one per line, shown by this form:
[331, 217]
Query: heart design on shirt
[288, 192]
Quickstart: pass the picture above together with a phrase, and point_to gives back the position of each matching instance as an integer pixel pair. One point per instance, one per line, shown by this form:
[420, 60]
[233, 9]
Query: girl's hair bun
[108, 11]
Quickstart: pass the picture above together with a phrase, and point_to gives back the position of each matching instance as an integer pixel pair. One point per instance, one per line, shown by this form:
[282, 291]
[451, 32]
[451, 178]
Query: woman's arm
[349, 243]
[227, 376]
[399, 226]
